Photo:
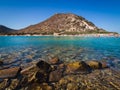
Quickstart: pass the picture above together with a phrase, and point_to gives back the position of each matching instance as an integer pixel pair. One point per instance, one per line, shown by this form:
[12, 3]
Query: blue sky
[19, 14]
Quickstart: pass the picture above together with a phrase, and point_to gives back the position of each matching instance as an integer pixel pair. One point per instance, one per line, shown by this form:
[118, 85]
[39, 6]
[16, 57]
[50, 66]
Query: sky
[18, 14]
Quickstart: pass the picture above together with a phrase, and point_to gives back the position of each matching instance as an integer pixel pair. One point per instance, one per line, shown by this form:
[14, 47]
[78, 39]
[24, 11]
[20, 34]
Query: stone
[41, 77]
[44, 66]
[54, 60]
[55, 76]
[94, 64]
[10, 72]
[77, 67]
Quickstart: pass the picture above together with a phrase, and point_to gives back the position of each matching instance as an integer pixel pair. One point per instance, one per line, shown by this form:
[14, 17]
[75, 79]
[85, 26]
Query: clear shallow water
[22, 50]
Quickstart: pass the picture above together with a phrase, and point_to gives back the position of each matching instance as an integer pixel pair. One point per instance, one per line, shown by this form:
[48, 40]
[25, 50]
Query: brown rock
[54, 60]
[44, 66]
[41, 77]
[77, 67]
[10, 72]
[94, 64]
[55, 76]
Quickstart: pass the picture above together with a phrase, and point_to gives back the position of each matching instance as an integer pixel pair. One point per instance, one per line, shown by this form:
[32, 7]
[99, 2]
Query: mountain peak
[63, 22]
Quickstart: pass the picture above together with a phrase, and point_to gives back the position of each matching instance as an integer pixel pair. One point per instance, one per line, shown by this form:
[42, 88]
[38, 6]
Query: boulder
[41, 77]
[77, 67]
[10, 72]
[55, 76]
[94, 64]
[44, 66]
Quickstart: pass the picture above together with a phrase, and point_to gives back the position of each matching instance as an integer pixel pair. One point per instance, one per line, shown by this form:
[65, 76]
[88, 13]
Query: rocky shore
[55, 74]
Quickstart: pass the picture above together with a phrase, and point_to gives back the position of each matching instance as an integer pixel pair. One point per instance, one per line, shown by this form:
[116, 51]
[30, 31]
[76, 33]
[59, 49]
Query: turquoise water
[22, 50]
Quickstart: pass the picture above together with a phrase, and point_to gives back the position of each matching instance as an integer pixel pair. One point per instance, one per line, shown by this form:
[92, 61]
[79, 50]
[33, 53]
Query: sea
[25, 50]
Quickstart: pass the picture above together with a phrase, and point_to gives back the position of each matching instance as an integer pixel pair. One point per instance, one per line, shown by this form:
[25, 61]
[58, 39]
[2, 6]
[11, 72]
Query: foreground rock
[77, 67]
[55, 76]
[10, 72]
[64, 76]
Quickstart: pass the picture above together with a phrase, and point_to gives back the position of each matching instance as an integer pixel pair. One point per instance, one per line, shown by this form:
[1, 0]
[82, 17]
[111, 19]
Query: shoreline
[79, 35]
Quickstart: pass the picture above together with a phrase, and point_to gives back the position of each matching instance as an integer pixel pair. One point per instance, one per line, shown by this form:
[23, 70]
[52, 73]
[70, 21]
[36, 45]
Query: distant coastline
[78, 35]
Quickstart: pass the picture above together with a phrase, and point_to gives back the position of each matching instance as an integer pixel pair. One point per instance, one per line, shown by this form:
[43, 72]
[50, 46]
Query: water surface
[22, 50]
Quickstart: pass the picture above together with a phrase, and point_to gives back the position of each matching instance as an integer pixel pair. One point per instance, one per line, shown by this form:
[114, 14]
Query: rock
[41, 77]
[72, 86]
[36, 86]
[55, 76]
[10, 72]
[44, 66]
[77, 67]
[54, 60]
[94, 64]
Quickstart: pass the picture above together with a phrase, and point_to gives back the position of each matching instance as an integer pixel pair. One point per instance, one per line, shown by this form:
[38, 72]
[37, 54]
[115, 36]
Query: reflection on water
[21, 50]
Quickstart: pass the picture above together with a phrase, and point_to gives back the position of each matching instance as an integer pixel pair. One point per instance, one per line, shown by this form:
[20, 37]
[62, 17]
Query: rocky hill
[63, 24]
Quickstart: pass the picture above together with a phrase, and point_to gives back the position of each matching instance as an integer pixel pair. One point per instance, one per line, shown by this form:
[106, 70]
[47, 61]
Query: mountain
[64, 24]
[61, 23]
[5, 30]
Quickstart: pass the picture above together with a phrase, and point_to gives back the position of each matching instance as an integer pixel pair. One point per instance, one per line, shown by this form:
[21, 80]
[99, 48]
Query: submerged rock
[10, 72]
[41, 77]
[77, 67]
[55, 76]
[44, 66]
[96, 65]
